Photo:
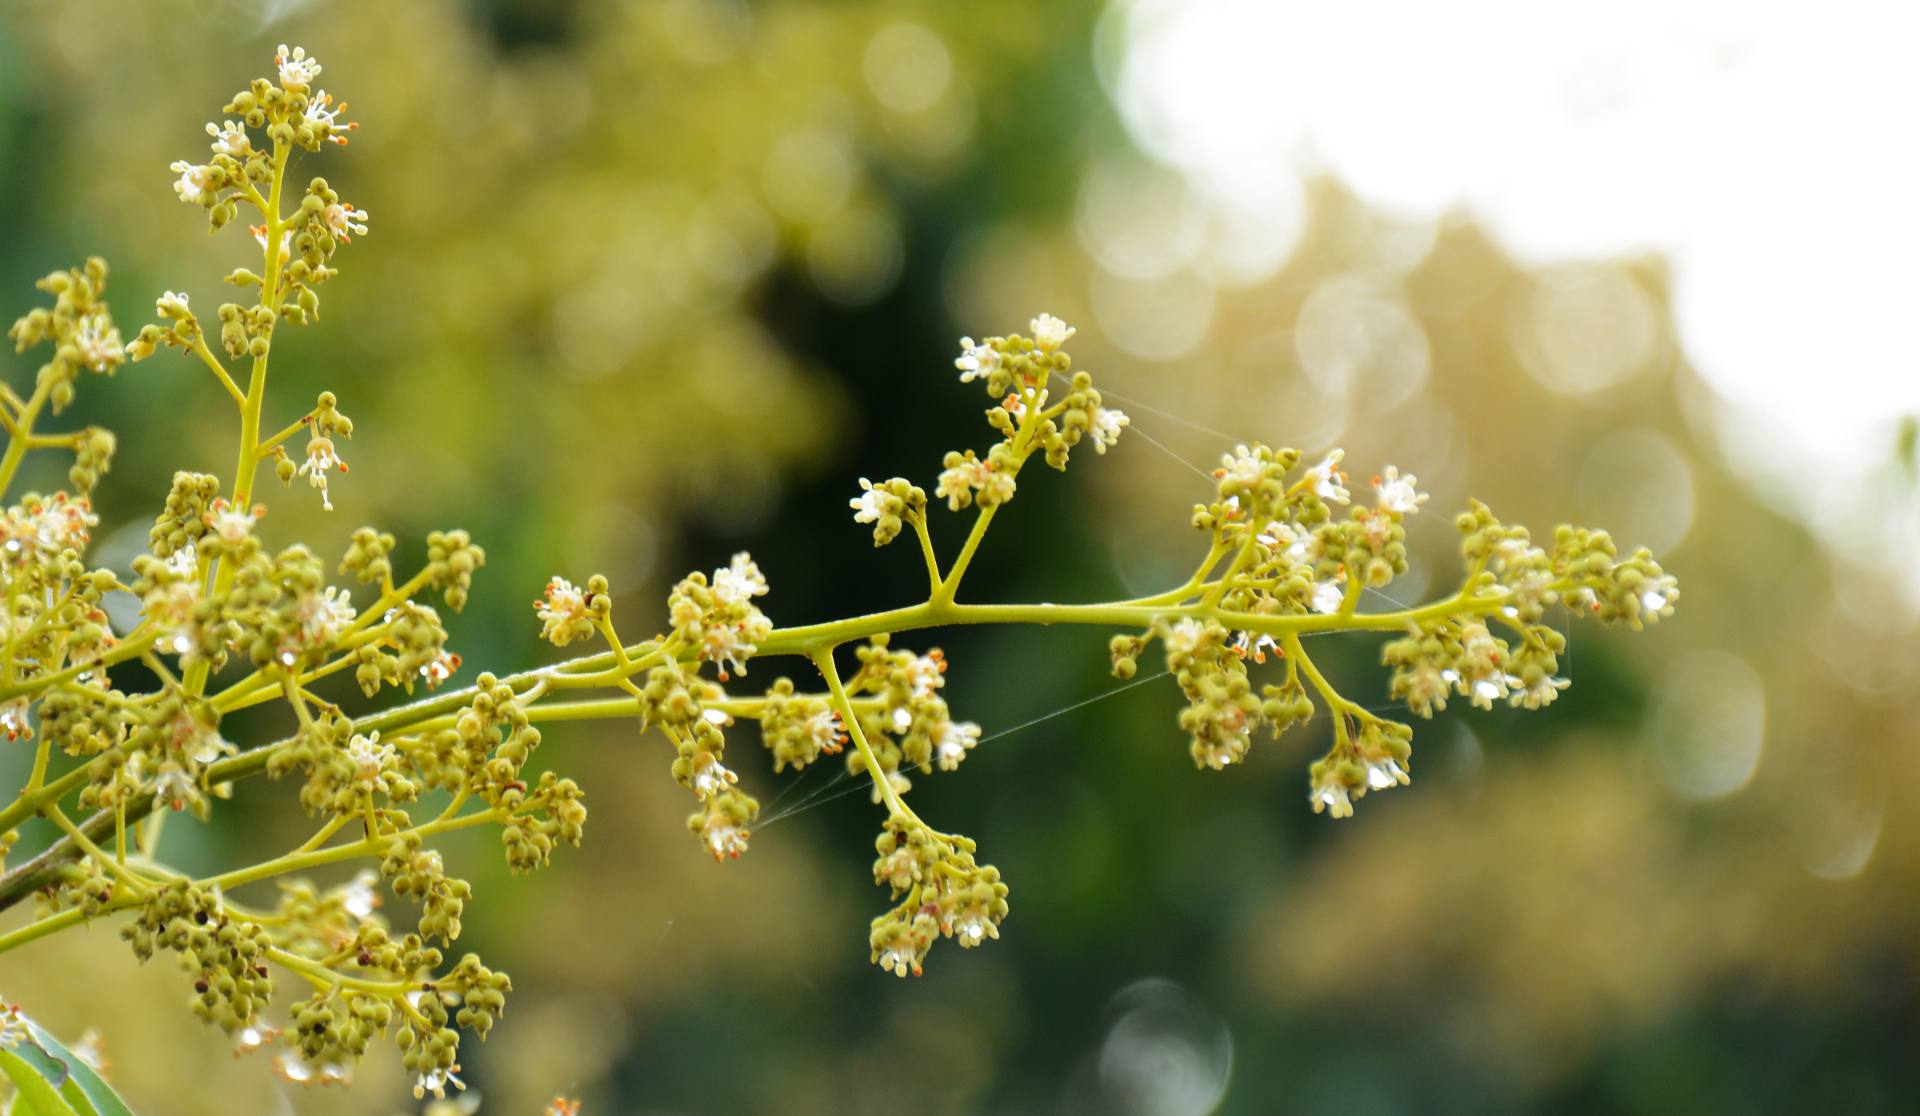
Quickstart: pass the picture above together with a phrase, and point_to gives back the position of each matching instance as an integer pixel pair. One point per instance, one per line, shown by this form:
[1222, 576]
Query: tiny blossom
[957, 483]
[1241, 467]
[1488, 687]
[369, 757]
[724, 839]
[99, 343]
[174, 786]
[322, 114]
[1328, 596]
[739, 581]
[323, 616]
[1049, 332]
[824, 728]
[230, 138]
[232, 524]
[728, 646]
[563, 611]
[344, 221]
[195, 183]
[1106, 426]
[1330, 794]
[1397, 493]
[172, 304]
[870, 504]
[14, 721]
[252, 1038]
[952, 740]
[1246, 644]
[976, 361]
[1384, 771]
[320, 458]
[1184, 637]
[1326, 479]
[440, 668]
[1540, 694]
[711, 776]
[297, 71]
[902, 719]
[436, 1082]
[928, 672]
[1289, 540]
[359, 897]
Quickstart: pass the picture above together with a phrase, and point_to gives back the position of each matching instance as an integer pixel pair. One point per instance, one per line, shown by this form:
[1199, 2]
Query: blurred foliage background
[650, 282]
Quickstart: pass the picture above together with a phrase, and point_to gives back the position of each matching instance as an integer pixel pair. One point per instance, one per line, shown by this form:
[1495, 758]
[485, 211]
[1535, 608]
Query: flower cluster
[941, 892]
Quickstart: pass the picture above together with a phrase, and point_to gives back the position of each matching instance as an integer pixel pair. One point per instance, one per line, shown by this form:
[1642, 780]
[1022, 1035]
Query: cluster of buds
[80, 328]
[907, 724]
[225, 954]
[888, 506]
[718, 620]
[941, 892]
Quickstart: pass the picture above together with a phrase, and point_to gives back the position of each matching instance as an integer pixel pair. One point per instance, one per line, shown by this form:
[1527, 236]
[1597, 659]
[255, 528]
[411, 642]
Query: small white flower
[1328, 596]
[1049, 332]
[710, 776]
[370, 758]
[1183, 638]
[927, 672]
[1330, 794]
[728, 647]
[1326, 479]
[439, 668]
[1241, 467]
[1106, 426]
[358, 897]
[232, 525]
[172, 304]
[1488, 687]
[321, 458]
[1295, 544]
[344, 221]
[952, 740]
[230, 138]
[195, 182]
[1540, 694]
[976, 361]
[824, 729]
[1247, 645]
[99, 343]
[1384, 771]
[561, 612]
[297, 71]
[14, 720]
[436, 1082]
[1397, 493]
[323, 117]
[739, 581]
[870, 505]
[723, 838]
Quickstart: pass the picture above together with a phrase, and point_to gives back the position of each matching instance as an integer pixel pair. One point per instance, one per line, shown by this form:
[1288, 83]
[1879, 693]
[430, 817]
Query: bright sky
[1769, 151]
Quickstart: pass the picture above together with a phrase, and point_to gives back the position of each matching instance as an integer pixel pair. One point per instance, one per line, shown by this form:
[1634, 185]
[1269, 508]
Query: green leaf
[29, 1069]
[89, 1094]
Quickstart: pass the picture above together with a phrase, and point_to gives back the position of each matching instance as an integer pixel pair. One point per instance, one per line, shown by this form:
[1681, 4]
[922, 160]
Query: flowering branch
[1281, 562]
